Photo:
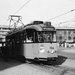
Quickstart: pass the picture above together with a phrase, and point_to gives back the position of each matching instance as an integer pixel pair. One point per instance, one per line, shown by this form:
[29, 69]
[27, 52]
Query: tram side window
[8, 41]
[27, 38]
[15, 37]
[40, 37]
[21, 36]
[30, 36]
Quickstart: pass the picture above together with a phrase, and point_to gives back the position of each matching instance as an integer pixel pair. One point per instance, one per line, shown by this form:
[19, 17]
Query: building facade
[66, 34]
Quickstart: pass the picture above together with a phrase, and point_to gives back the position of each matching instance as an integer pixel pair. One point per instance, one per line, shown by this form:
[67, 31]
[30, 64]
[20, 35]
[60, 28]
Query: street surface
[14, 67]
[69, 53]
[65, 65]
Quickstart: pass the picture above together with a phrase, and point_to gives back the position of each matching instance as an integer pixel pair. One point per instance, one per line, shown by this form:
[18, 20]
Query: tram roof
[37, 27]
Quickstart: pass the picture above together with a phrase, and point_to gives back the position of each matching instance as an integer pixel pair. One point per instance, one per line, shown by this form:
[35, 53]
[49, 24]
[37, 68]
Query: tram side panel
[36, 50]
[28, 50]
[40, 50]
[19, 49]
[31, 50]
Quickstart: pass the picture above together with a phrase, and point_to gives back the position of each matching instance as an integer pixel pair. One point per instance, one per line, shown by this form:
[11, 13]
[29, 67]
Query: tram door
[31, 47]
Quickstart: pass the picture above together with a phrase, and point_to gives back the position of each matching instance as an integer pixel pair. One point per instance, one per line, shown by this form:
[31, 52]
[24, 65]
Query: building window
[74, 32]
[64, 32]
[69, 37]
[60, 37]
[74, 39]
[59, 32]
[69, 32]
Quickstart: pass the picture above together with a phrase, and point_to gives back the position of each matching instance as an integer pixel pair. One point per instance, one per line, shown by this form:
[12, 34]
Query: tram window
[30, 36]
[40, 37]
[29, 39]
[16, 38]
[46, 36]
[21, 37]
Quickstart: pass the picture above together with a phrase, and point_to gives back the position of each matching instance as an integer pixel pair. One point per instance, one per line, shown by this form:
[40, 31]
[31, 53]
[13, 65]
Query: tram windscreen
[47, 36]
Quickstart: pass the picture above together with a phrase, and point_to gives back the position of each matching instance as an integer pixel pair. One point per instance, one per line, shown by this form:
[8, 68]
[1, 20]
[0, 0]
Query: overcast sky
[43, 10]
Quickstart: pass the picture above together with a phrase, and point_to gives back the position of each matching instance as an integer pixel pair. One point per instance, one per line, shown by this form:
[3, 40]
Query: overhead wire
[22, 6]
[72, 0]
[61, 15]
[48, 19]
[18, 10]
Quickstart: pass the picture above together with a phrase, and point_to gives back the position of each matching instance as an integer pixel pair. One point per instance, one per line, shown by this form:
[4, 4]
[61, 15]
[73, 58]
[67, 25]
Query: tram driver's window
[29, 39]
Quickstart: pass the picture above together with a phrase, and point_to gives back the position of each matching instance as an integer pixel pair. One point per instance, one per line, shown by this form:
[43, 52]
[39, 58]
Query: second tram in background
[36, 40]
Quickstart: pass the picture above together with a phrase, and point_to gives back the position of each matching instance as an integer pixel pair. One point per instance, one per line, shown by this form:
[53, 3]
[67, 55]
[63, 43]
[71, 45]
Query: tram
[36, 41]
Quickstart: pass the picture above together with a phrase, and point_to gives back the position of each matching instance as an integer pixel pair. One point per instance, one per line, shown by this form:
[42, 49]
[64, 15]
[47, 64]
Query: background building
[66, 31]
[66, 34]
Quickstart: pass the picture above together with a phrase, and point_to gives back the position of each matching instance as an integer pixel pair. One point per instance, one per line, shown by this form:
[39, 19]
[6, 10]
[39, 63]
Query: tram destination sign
[49, 28]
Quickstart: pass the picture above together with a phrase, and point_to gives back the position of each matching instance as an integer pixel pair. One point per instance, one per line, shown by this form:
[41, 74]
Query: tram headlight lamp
[52, 51]
[42, 50]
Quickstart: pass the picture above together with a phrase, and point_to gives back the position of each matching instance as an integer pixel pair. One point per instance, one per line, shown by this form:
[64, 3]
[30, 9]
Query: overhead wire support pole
[19, 9]
[15, 22]
[19, 17]
[61, 15]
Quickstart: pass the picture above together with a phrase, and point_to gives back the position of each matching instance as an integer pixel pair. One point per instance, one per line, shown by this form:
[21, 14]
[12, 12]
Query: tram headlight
[42, 49]
[52, 51]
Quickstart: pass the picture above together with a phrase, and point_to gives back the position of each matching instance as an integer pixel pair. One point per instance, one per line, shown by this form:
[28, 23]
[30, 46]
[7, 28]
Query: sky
[44, 10]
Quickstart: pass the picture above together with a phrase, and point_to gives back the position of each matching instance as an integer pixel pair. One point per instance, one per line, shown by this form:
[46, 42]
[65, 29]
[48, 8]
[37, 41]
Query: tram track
[53, 69]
